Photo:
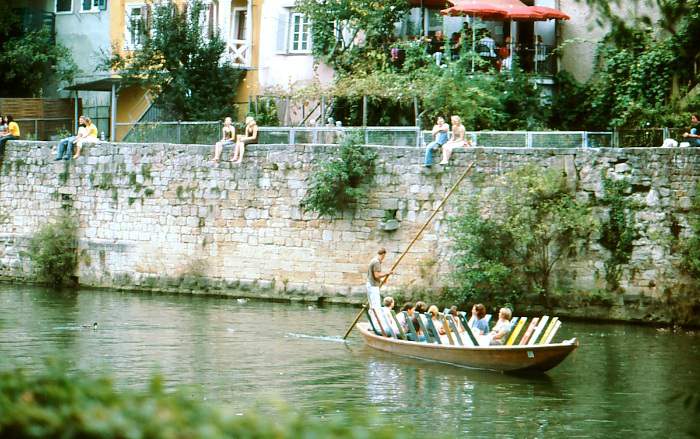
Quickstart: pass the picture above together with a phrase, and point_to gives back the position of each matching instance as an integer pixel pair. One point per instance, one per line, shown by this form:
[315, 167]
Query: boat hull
[537, 358]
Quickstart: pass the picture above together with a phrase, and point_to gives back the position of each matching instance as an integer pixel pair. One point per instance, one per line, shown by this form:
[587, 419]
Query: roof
[96, 84]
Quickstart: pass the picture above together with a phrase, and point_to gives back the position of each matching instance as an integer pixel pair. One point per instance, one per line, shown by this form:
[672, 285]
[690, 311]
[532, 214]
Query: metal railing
[209, 132]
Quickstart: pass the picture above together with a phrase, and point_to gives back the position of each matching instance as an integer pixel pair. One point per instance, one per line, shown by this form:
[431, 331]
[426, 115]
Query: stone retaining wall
[162, 217]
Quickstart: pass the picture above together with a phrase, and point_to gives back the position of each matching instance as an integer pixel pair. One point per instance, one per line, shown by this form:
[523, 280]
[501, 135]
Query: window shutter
[282, 32]
[102, 5]
[146, 16]
[87, 5]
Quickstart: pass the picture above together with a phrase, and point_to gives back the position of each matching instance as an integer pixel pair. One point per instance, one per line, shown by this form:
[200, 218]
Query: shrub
[52, 251]
[508, 243]
[337, 184]
[56, 404]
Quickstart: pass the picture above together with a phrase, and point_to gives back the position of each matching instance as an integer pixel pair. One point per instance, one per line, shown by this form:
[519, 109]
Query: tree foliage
[57, 404]
[337, 184]
[508, 242]
[617, 233]
[29, 58]
[690, 247]
[182, 65]
[644, 68]
[352, 35]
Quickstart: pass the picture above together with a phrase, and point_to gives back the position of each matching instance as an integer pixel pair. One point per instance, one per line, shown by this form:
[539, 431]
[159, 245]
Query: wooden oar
[398, 261]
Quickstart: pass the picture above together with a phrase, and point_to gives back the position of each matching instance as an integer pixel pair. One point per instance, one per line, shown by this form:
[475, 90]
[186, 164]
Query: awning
[98, 84]
[503, 10]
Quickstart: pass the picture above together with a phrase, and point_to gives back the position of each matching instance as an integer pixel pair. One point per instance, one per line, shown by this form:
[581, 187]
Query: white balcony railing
[238, 52]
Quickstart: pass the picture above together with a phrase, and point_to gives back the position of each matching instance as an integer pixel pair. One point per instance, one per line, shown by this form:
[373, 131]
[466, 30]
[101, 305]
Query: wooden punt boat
[517, 358]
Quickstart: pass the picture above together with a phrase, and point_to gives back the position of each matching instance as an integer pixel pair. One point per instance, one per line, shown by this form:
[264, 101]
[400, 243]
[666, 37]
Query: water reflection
[617, 382]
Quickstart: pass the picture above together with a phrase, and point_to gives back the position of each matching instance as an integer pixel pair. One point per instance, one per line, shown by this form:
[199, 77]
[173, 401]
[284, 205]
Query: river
[618, 383]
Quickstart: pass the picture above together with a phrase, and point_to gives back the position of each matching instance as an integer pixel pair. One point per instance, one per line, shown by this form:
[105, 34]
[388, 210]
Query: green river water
[618, 384]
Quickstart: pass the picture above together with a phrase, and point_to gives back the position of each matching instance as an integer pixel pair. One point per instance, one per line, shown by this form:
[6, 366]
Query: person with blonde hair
[250, 135]
[500, 332]
[90, 136]
[456, 140]
[435, 317]
[228, 135]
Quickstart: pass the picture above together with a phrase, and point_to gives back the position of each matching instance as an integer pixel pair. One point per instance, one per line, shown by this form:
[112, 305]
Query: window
[93, 5]
[135, 34]
[64, 6]
[300, 34]
[238, 23]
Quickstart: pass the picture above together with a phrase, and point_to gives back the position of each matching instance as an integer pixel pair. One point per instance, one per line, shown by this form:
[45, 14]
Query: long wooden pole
[425, 225]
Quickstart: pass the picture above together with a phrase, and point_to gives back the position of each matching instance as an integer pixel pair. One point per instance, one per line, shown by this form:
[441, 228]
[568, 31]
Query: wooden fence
[41, 118]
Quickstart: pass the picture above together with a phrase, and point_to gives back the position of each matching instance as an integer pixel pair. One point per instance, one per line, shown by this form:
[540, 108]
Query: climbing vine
[690, 249]
[618, 233]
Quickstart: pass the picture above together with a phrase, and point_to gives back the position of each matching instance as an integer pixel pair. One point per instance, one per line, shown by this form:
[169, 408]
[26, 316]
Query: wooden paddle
[398, 261]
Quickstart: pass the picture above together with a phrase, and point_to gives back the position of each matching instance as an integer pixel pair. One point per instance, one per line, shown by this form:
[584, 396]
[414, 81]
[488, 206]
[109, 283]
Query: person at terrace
[500, 332]
[486, 45]
[250, 135]
[693, 135]
[11, 134]
[228, 136]
[479, 323]
[440, 135]
[437, 46]
[456, 141]
[505, 55]
[90, 137]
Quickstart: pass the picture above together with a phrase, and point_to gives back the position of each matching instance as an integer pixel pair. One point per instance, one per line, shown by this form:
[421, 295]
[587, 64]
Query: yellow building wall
[133, 102]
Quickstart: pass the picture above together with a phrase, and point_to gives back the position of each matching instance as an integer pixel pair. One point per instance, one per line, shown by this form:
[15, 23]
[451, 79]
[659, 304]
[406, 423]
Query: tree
[508, 243]
[29, 59]
[353, 35]
[181, 65]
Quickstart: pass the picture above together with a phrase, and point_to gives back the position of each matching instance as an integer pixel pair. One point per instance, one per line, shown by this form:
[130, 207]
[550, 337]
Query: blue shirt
[481, 325]
[441, 137]
[694, 141]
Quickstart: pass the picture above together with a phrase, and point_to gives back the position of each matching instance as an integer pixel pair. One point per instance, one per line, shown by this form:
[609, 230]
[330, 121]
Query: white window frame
[127, 24]
[304, 27]
[94, 9]
[234, 25]
[69, 11]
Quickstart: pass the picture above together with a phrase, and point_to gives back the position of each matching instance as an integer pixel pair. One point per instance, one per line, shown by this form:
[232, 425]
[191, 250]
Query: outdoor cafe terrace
[494, 34]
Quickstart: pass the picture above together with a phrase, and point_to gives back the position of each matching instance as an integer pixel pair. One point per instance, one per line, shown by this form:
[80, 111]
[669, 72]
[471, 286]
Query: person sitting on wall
[90, 137]
[3, 126]
[250, 136]
[456, 141]
[228, 134]
[12, 133]
[500, 332]
[440, 134]
[64, 150]
[693, 134]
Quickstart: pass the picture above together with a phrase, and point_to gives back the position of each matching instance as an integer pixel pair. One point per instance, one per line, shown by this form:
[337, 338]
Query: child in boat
[479, 324]
[502, 329]
[455, 318]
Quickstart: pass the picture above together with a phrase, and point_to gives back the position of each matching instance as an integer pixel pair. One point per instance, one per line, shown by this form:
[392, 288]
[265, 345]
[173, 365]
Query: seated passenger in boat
[500, 332]
[454, 312]
[401, 317]
[419, 331]
[435, 317]
[387, 319]
[421, 307]
[479, 324]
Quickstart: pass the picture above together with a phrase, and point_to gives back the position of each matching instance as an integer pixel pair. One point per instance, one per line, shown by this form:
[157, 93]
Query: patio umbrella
[551, 13]
[481, 9]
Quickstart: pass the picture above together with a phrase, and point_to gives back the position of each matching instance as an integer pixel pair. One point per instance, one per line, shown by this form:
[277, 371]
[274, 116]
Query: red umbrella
[551, 13]
[524, 13]
[481, 9]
